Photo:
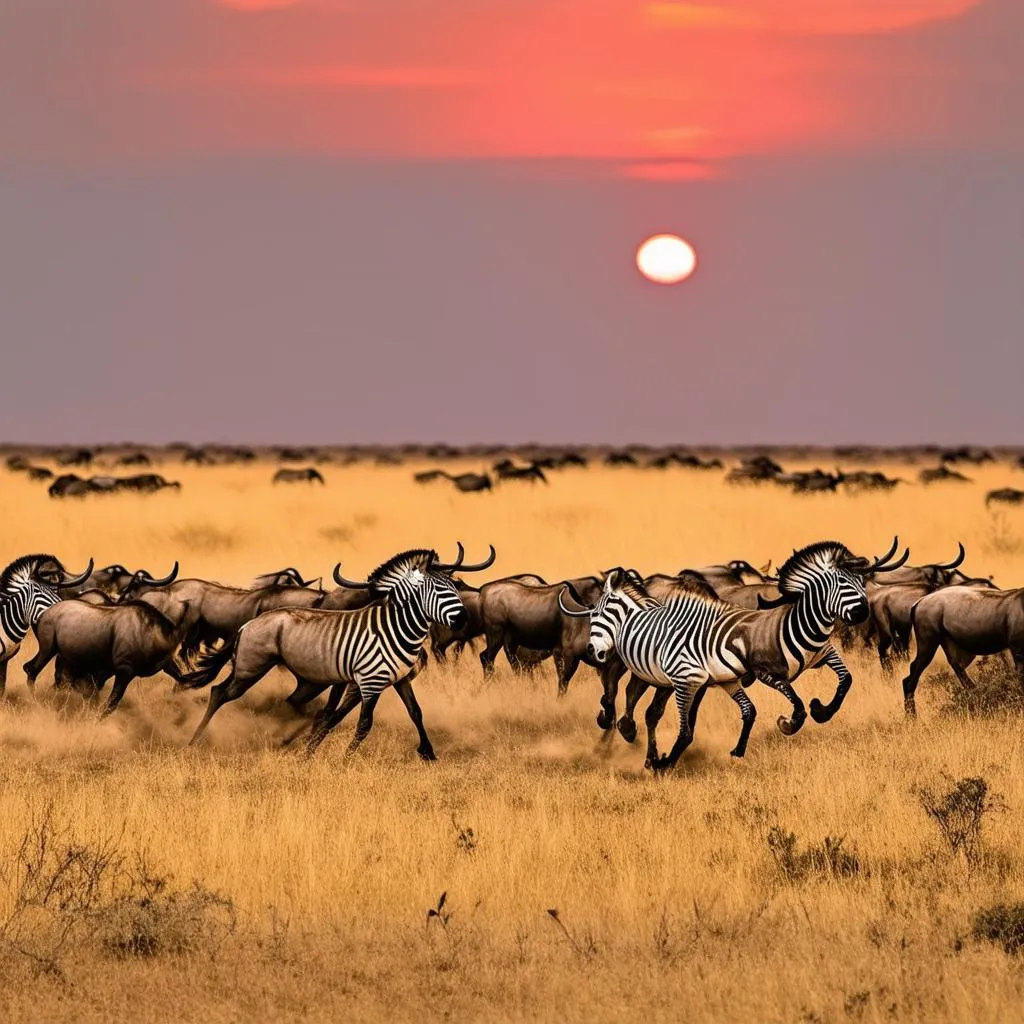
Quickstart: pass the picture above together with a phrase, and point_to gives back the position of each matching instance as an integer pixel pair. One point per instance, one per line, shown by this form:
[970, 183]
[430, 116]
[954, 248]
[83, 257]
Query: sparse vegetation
[670, 898]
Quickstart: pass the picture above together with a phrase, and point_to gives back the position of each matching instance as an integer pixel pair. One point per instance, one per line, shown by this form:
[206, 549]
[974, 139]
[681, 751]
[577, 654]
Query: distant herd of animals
[535, 467]
[727, 625]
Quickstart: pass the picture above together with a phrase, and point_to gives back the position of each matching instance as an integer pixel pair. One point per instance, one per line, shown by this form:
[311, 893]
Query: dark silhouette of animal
[28, 586]
[146, 483]
[967, 623]
[509, 471]
[357, 654]
[93, 642]
[133, 459]
[753, 470]
[620, 459]
[868, 480]
[110, 581]
[470, 482]
[78, 457]
[941, 474]
[427, 476]
[294, 476]
[1004, 496]
[39, 473]
[974, 456]
[68, 485]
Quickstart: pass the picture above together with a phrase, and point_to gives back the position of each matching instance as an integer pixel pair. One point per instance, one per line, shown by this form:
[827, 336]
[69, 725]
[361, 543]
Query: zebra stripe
[20, 609]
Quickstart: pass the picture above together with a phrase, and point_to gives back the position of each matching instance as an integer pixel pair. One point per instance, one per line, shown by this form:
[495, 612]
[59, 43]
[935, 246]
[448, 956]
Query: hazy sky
[389, 220]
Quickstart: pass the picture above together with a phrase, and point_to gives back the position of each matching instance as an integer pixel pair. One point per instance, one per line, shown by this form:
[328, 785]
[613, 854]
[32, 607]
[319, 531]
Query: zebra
[28, 586]
[358, 653]
[696, 641]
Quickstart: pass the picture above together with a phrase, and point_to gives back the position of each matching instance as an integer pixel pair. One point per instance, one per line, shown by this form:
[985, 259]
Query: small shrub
[825, 858]
[1002, 539]
[959, 814]
[1002, 924]
[584, 946]
[203, 538]
[465, 838]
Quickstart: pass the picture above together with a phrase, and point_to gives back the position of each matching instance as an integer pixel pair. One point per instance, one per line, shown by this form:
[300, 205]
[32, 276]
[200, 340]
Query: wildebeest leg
[231, 689]
[36, 664]
[685, 689]
[3, 675]
[927, 645]
[121, 681]
[405, 691]
[305, 691]
[822, 713]
[611, 672]
[495, 640]
[958, 660]
[653, 715]
[791, 725]
[365, 723]
[635, 689]
[749, 713]
[566, 665]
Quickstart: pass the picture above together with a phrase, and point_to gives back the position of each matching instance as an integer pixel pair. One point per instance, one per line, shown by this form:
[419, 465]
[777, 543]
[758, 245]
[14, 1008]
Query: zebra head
[830, 579]
[418, 580]
[28, 586]
[622, 596]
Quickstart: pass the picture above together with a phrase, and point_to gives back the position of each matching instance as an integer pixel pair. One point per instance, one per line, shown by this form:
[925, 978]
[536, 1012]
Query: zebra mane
[821, 555]
[632, 585]
[388, 574]
[22, 570]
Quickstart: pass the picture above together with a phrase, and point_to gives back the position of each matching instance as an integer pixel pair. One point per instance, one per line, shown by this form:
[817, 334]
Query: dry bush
[959, 813]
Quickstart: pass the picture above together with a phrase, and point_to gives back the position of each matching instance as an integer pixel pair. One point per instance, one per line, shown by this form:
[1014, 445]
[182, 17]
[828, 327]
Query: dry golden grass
[671, 904]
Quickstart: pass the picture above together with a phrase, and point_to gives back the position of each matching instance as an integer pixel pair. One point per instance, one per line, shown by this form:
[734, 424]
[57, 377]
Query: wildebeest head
[289, 577]
[623, 593]
[832, 578]
[110, 580]
[416, 577]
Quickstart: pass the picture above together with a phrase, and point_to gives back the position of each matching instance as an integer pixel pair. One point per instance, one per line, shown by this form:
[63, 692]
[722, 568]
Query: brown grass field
[239, 882]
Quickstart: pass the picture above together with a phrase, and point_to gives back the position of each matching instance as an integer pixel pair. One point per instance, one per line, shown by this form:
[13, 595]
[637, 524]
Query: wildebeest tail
[208, 664]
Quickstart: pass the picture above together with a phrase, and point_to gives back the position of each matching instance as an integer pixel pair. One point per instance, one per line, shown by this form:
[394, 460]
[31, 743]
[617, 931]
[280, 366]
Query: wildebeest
[756, 469]
[288, 577]
[868, 480]
[975, 456]
[216, 611]
[469, 482]
[810, 481]
[28, 586]
[443, 637]
[357, 654]
[524, 615]
[685, 460]
[507, 470]
[110, 580]
[427, 476]
[77, 457]
[967, 623]
[621, 458]
[146, 483]
[941, 474]
[39, 473]
[93, 642]
[293, 476]
[133, 459]
[1004, 496]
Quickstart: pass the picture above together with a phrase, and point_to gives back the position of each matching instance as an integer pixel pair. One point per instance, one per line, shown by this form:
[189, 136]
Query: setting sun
[666, 259]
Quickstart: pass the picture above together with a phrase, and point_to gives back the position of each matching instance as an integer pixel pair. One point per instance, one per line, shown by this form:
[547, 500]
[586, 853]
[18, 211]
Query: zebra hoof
[789, 726]
[821, 713]
[627, 729]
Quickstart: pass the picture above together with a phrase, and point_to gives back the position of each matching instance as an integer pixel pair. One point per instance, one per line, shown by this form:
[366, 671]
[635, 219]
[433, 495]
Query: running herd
[728, 625]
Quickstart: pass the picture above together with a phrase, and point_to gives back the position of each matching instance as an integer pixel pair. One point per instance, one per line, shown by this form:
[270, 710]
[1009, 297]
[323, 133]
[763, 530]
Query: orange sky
[633, 80]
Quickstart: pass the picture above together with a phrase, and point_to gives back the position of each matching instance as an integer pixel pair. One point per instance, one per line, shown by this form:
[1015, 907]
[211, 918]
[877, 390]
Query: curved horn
[348, 584]
[899, 563]
[568, 611]
[75, 581]
[485, 564]
[169, 578]
[956, 563]
[885, 558]
[451, 566]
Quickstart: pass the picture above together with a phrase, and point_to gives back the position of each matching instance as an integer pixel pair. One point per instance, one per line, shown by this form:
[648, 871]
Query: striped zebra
[28, 586]
[358, 653]
[696, 641]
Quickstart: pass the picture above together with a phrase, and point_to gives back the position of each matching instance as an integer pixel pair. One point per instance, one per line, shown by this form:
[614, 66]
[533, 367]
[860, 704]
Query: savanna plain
[858, 871]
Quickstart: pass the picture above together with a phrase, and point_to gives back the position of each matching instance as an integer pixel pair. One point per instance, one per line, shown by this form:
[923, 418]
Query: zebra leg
[3, 675]
[121, 681]
[653, 714]
[685, 689]
[365, 723]
[793, 724]
[611, 673]
[822, 713]
[635, 689]
[749, 713]
[405, 691]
